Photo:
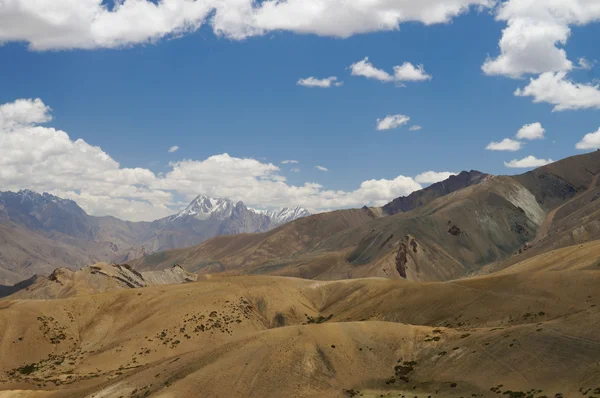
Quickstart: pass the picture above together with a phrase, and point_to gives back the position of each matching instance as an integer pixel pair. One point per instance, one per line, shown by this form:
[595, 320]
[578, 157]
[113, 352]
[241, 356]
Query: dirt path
[545, 227]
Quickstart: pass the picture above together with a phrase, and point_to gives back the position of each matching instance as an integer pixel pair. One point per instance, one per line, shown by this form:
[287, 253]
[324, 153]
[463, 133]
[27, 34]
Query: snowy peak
[204, 207]
[285, 215]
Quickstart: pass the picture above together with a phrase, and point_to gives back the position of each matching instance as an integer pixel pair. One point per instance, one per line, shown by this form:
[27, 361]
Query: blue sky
[211, 94]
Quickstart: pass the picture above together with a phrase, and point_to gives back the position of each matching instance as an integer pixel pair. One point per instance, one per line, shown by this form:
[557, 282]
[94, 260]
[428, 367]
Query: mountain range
[40, 232]
[477, 286]
[468, 224]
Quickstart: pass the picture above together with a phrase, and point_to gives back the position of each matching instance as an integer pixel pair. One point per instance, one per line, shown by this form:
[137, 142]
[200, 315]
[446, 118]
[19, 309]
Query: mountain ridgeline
[41, 232]
[434, 191]
[469, 224]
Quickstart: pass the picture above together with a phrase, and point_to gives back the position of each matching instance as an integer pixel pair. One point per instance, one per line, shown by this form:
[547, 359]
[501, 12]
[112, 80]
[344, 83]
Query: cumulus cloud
[407, 72]
[23, 112]
[320, 83]
[321, 168]
[564, 94]
[590, 141]
[533, 43]
[527, 162]
[506, 144]
[366, 69]
[290, 162]
[87, 24]
[392, 121]
[65, 24]
[376, 192]
[46, 159]
[528, 46]
[536, 30]
[415, 128]
[431, 177]
[402, 73]
[174, 148]
[533, 131]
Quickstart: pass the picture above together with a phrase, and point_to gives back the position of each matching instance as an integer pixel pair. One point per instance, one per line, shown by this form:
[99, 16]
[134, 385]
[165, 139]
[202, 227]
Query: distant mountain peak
[29, 198]
[205, 207]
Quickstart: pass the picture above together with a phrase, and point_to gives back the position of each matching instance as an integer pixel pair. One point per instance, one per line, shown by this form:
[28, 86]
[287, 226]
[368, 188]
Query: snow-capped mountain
[51, 232]
[284, 215]
[205, 208]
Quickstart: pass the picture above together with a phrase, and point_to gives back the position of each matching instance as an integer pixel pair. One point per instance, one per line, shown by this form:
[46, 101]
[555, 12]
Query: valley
[40, 232]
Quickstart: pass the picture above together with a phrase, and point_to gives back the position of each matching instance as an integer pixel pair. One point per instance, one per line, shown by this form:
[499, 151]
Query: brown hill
[247, 250]
[257, 336]
[97, 278]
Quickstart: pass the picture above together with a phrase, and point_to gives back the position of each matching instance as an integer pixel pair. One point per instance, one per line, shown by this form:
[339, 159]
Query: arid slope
[258, 336]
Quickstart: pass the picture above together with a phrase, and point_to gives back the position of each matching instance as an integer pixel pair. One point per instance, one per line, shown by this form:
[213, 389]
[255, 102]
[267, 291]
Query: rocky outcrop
[97, 278]
[406, 246]
[402, 259]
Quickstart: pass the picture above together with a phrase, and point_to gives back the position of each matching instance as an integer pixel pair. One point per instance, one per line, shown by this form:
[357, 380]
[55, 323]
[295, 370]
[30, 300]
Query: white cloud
[295, 170]
[47, 159]
[402, 73]
[321, 168]
[431, 177]
[320, 83]
[527, 162]
[530, 44]
[65, 24]
[392, 121]
[290, 162]
[505, 145]
[366, 69]
[23, 112]
[174, 148]
[415, 128]
[407, 72]
[564, 94]
[533, 131]
[585, 64]
[378, 192]
[590, 141]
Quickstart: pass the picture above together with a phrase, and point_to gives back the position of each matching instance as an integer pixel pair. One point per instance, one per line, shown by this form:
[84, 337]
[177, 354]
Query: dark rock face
[431, 193]
[413, 244]
[409, 243]
[402, 259]
[454, 230]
